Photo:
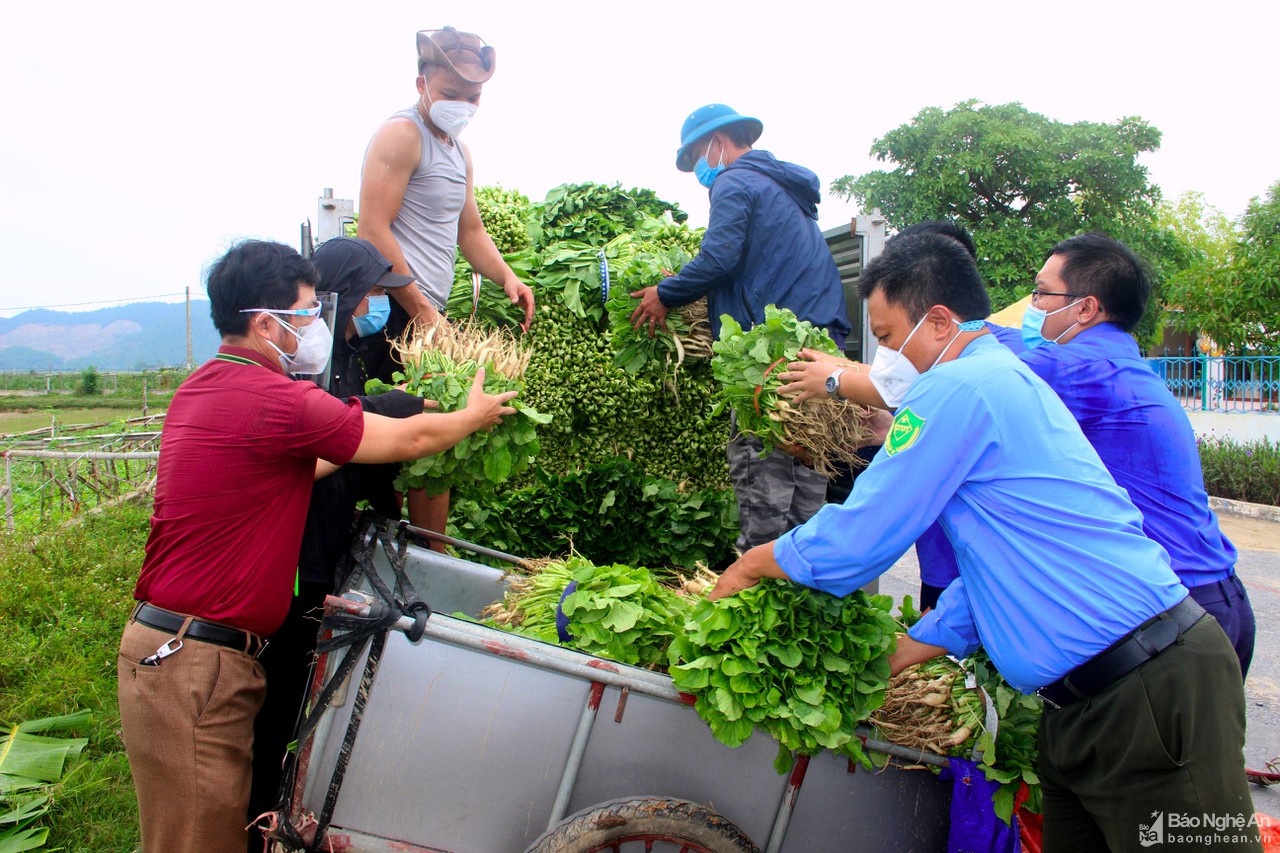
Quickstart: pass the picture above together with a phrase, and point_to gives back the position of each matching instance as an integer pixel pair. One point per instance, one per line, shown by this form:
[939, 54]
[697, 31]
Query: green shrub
[89, 382]
[1241, 471]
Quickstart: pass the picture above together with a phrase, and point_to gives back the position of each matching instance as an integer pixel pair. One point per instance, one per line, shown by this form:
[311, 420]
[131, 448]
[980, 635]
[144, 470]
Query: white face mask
[315, 345]
[892, 374]
[450, 116]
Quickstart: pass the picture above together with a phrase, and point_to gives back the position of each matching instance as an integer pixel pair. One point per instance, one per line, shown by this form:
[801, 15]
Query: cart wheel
[644, 824]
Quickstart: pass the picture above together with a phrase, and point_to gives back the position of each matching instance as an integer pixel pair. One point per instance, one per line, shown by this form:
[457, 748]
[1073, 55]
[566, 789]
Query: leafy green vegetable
[595, 213]
[623, 613]
[1010, 757]
[609, 513]
[615, 611]
[804, 666]
[493, 308]
[747, 364]
[482, 459]
[505, 214]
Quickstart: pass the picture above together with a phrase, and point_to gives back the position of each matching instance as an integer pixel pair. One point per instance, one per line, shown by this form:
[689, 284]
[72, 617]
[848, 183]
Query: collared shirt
[1145, 440]
[1054, 566]
[237, 460]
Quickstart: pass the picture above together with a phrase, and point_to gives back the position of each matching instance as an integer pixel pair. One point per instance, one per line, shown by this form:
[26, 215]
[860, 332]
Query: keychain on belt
[161, 653]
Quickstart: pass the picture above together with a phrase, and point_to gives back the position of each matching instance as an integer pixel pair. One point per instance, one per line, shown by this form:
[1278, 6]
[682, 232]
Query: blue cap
[702, 121]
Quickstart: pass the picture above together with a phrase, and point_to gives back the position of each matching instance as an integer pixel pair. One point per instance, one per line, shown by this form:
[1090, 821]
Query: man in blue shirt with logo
[1144, 705]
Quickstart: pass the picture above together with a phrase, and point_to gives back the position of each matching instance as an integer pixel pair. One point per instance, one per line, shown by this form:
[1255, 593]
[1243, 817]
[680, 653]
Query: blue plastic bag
[974, 825]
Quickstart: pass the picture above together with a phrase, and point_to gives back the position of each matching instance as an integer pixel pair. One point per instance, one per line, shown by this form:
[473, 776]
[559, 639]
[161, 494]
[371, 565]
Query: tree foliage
[1019, 182]
[1231, 291]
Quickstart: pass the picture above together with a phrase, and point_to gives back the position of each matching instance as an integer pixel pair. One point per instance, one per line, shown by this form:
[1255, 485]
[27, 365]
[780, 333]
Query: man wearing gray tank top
[417, 203]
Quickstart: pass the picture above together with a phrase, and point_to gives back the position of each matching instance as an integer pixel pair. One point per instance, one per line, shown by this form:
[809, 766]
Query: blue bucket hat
[702, 121]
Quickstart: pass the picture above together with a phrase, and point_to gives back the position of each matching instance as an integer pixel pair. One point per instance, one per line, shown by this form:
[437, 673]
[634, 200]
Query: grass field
[67, 596]
[12, 422]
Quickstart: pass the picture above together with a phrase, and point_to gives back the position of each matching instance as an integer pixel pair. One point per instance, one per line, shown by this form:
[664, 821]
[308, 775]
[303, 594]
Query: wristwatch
[833, 384]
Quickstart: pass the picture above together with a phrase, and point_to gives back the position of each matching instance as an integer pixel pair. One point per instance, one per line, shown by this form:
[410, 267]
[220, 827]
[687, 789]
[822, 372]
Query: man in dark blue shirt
[1090, 294]
[762, 247]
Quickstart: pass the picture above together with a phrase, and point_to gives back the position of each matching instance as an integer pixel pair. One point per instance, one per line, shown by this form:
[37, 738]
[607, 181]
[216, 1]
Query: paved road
[1259, 568]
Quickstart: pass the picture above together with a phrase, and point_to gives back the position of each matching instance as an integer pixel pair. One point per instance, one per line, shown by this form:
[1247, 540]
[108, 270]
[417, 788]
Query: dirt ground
[1251, 534]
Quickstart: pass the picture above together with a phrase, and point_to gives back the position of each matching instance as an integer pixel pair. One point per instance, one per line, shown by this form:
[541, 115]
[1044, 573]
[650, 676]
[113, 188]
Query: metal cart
[473, 740]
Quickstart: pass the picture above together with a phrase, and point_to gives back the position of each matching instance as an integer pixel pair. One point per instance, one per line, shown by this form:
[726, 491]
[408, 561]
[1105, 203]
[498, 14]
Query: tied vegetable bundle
[747, 364]
[439, 363]
[804, 666]
[616, 611]
[657, 250]
[937, 706]
[505, 214]
[930, 707]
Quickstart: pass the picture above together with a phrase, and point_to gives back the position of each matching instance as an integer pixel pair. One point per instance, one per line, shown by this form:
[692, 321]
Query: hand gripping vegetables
[825, 433]
[439, 362]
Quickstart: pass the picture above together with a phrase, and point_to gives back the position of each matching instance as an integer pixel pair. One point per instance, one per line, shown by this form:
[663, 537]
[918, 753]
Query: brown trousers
[188, 731]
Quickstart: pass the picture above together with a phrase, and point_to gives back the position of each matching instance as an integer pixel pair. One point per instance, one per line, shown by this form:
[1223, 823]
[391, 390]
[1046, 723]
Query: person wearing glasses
[1090, 295]
[361, 278]
[417, 199]
[1144, 704]
[241, 446]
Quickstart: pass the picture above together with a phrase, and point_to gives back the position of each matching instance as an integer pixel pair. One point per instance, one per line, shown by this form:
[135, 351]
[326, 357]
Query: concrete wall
[1240, 426]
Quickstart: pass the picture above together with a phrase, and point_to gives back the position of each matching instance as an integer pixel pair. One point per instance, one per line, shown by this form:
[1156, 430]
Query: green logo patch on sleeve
[903, 432]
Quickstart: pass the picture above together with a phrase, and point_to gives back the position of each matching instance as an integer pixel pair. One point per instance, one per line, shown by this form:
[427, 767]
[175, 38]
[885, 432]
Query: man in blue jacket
[762, 247]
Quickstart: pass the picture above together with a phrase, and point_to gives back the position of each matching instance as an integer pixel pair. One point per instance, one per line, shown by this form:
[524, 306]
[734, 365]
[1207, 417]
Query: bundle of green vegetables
[747, 364]
[595, 213]
[483, 301]
[609, 513]
[440, 362]
[937, 706]
[616, 611]
[804, 666]
[1010, 755]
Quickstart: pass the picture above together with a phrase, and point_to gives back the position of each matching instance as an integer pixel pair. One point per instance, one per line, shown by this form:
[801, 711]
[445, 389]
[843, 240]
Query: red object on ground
[1269, 829]
[1030, 824]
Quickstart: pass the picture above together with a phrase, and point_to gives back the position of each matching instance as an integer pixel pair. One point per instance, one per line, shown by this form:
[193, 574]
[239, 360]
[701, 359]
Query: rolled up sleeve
[950, 624]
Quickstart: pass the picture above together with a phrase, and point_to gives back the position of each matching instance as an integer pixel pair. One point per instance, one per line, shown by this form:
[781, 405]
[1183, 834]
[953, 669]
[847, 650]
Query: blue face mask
[376, 318]
[1033, 326]
[704, 171]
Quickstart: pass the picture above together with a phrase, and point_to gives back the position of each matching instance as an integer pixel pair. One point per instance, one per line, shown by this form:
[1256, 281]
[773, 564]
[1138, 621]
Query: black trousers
[1157, 750]
[287, 660]
[1228, 602]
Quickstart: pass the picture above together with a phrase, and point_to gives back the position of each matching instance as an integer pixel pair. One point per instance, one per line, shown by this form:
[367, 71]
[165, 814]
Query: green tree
[1231, 291]
[1019, 182]
[89, 381]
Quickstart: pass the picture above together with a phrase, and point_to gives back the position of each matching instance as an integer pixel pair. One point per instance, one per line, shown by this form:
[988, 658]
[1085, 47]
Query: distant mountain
[128, 337]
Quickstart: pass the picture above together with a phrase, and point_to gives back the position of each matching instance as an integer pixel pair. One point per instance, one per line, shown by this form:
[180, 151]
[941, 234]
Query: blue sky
[139, 143]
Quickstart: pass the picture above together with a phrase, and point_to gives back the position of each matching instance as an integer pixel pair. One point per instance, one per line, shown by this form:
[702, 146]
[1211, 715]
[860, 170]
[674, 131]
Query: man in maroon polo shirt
[241, 446]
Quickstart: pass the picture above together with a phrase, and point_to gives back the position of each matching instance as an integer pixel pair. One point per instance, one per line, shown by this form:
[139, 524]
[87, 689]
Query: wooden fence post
[8, 492]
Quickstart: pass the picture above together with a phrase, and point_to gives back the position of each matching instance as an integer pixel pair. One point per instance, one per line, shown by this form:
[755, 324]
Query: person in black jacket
[360, 276]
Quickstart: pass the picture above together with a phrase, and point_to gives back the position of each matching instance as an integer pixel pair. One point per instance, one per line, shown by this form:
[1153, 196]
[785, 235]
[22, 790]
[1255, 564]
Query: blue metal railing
[1223, 383]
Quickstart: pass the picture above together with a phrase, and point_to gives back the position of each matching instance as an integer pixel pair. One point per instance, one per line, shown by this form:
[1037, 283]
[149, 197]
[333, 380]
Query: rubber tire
[593, 828]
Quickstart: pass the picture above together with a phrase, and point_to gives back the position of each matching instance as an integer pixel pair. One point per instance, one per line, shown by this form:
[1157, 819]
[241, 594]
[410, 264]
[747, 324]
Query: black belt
[1124, 656]
[200, 629]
